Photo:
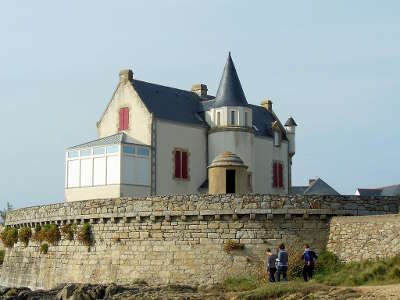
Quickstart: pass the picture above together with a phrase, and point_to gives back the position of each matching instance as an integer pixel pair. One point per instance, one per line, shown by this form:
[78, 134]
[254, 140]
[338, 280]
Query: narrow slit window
[233, 117]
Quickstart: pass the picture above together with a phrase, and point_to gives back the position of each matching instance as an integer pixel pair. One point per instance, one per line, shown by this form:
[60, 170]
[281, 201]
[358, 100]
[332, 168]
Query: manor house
[158, 140]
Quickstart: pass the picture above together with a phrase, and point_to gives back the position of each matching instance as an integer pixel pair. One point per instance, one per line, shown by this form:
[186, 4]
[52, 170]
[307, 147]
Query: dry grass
[232, 245]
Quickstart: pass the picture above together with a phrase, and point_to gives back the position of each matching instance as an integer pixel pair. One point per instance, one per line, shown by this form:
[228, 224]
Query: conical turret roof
[230, 92]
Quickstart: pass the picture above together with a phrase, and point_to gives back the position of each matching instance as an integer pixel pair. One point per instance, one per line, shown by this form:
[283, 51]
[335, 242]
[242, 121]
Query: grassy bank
[332, 272]
[331, 278]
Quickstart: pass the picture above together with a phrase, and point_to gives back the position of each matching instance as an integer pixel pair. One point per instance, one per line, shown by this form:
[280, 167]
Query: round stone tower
[227, 174]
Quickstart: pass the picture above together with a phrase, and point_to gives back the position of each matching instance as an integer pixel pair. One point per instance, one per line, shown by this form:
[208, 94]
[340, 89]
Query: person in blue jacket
[309, 257]
[282, 263]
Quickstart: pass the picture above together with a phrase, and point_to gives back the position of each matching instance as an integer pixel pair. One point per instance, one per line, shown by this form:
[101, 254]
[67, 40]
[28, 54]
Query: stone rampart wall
[173, 239]
[367, 237]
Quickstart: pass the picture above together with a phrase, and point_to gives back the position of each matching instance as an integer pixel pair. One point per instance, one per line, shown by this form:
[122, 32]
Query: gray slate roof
[392, 190]
[318, 187]
[115, 139]
[169, 103]
[187, 107]
[230, 92]
[370, 192]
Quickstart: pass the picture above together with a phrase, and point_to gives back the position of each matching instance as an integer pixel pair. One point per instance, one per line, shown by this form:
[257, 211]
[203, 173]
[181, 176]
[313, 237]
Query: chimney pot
[267, 104]
[125, 75]
[200, 89]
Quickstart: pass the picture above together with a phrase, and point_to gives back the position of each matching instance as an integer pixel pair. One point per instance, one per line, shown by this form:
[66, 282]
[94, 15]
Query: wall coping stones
[159, 208]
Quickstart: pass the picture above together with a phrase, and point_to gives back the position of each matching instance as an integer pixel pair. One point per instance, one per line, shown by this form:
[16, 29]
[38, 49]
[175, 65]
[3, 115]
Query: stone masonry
[367, 237]
[174, 239]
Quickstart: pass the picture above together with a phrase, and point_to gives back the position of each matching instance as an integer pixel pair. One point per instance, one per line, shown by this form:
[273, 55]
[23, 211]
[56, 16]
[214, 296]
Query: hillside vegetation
[332, 278]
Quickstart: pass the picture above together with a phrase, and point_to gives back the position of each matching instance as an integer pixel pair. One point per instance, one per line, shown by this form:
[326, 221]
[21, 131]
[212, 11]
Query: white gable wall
[139, 117]
[171, 135]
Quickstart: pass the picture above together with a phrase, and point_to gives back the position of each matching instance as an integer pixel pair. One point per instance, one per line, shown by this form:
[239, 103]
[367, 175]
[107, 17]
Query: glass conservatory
[93, 166]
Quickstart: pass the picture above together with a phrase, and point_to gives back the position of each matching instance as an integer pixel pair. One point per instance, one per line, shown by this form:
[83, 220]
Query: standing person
[309, 257]
[270, 262]
[282, 263]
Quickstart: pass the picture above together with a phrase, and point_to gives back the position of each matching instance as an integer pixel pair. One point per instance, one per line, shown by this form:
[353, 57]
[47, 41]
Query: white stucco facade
[193, 139]
[140, 119]
[167, 138]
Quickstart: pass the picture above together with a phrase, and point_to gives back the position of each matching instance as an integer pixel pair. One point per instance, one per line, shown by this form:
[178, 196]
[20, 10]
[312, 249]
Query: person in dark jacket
[309, 257]
[270, 264]
[282, 263]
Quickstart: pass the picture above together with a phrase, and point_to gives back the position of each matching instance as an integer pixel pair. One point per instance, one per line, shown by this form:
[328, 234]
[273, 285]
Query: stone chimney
[125, 75]
[200, 89]
[267, 104]
[310, 181]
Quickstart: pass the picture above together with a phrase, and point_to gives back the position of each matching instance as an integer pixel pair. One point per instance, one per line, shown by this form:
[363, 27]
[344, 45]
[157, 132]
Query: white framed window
[277, 138]
[233, 117]
[218, 118]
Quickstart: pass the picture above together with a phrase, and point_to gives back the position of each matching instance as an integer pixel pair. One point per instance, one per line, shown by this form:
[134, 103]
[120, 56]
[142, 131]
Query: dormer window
[277, 138]
[233, 119]
[123, 118]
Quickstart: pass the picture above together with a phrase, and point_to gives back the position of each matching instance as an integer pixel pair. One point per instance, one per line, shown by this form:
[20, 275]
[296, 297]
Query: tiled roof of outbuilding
[318, 187]
[392, 190]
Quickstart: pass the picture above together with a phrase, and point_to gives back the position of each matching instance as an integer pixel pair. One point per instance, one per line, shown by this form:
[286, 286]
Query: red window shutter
[177, 164]
[126, 118]
[280, 175]
[184, 165]
[121, 119]
[275, 177]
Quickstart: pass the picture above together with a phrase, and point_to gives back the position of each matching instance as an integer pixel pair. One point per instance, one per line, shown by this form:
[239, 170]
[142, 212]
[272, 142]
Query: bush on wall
[50, 233]
[36, 235]
[85, 234]
[68, 231]
[2, 253]
[24, 235]
[44, 248]
[9, 237]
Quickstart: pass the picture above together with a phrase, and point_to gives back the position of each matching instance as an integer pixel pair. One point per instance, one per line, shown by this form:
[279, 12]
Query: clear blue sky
[333, 65]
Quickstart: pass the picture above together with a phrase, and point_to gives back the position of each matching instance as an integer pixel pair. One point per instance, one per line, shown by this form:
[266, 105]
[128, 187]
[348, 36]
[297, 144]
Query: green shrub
[68, 231]
[36, 235]
[327, 262]
[238, 284]
[9, 236]
[24, 235]
[44, 248]
[50, 233]
[85, 234]
[2, 253]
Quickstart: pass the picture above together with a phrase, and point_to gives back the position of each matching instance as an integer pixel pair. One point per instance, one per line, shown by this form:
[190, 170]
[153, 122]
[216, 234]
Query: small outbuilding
[227, 175]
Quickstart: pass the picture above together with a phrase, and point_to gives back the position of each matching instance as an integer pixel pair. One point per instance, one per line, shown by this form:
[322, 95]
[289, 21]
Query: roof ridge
[99, 139]
[165, 86]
